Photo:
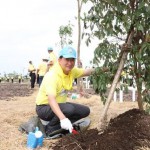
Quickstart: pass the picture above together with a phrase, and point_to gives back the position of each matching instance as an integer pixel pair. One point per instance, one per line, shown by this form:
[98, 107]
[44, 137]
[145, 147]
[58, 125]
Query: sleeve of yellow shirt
[77, 72]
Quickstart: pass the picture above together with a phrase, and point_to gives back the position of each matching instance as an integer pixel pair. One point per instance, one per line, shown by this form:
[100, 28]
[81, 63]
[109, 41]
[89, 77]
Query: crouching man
[51, 102]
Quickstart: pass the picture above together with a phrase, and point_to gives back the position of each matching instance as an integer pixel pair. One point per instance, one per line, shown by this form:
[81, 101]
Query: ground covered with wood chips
[128, 128]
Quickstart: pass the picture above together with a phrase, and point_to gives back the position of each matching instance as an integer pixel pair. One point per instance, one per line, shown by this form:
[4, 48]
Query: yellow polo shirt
[19, 77]
[31, 68]
[56, 83]
[53, 57]
[42, 68]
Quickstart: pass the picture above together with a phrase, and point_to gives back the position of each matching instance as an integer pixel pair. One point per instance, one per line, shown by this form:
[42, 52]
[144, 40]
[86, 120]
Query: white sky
[28, 27]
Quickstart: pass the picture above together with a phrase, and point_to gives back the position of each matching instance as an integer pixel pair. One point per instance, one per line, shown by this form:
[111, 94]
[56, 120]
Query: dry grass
[146, 147]
[143, 148]
[13, 113]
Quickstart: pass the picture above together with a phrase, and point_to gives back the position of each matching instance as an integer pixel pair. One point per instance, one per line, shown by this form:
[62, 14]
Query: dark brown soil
[125, 132]
[9, 90]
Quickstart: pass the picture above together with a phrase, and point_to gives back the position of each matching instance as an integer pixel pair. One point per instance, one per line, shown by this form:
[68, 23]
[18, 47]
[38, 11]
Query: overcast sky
[28, 27]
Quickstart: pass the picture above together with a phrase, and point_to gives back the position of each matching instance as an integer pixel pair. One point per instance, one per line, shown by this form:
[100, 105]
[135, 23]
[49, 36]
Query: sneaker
[55, 130]
[82, 124]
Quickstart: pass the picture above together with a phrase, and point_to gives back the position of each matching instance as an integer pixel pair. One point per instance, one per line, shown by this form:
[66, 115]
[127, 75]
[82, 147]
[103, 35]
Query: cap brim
[45, 59]
[69, 56]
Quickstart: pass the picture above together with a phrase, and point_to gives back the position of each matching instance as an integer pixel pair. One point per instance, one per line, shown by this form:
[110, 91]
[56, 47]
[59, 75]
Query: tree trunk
[139, 99]
[114, 84]
[79, 80]
[79, 33]
[139, 87]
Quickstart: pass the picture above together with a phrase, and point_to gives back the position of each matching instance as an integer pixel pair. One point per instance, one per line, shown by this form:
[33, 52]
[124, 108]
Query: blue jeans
[40, 80]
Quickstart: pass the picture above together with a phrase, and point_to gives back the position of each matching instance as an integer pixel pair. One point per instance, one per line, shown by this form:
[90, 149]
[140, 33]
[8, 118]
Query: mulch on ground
[125, 132]
[10, 90]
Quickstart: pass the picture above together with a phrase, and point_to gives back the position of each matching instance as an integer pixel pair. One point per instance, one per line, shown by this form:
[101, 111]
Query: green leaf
[140, 28]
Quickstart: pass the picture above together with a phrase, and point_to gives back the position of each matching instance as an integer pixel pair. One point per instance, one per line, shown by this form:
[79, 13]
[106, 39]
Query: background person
[7, 79]
[19, 78]
[37, 78]
[42, 69]
[52, 58]
[51, 102]
[12, 79]
[31, 70]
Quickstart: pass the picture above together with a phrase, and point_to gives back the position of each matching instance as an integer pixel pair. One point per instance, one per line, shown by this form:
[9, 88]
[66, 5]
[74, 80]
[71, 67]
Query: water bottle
[39, 137]
[74, 96]
[35, 139]
[31, 141]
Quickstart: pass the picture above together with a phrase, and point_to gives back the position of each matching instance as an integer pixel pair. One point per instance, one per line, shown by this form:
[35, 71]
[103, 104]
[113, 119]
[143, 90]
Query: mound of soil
[125, 132]
[9, 90]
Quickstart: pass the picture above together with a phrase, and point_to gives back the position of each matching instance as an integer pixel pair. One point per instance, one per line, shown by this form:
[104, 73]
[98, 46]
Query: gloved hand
[66, 124]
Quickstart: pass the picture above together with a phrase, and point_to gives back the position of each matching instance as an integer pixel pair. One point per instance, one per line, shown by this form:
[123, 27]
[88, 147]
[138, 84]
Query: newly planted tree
[123, 28]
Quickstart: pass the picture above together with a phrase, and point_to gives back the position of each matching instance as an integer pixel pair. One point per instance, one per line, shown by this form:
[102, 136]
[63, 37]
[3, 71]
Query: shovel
[75, 132]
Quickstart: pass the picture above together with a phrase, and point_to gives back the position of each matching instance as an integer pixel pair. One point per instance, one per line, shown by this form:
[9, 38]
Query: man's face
[67, 64]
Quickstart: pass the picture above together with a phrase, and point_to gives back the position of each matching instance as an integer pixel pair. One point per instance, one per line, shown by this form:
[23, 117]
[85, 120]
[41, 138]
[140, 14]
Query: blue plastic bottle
[31, 140]
[39, 137]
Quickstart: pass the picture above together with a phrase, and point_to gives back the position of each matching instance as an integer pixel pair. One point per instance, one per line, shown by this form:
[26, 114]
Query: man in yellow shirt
[12, 79]
[52, 58]
[51, 102]
[42, 69]
[19, 78]
[31, 70]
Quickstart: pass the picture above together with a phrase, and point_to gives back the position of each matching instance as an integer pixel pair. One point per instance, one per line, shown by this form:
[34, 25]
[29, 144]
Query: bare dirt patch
[10, 90]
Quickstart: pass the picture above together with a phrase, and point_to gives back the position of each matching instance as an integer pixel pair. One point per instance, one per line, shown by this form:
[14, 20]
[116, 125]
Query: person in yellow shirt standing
[19, 78]
[31, 70]
[42, 69]
[12, 79]
[51, 102]
[7, 79]
[52, 58]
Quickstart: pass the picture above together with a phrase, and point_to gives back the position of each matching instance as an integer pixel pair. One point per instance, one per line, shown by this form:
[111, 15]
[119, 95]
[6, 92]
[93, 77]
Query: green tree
[79, 63]
[79, 4]
[115, 22]
[65, 33]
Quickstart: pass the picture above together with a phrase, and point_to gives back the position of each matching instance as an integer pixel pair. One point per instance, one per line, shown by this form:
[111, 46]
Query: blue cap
[50, 48]
[68, 52]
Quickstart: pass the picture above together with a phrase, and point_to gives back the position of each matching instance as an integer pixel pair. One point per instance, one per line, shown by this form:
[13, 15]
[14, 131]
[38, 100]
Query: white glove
[66, 124]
